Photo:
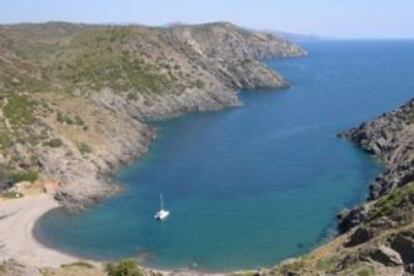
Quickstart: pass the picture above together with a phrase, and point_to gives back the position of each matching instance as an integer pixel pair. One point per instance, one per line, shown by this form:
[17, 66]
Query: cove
[248, 187]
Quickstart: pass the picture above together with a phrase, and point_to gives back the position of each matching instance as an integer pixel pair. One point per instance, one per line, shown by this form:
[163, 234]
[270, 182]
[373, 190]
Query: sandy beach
[17, 219]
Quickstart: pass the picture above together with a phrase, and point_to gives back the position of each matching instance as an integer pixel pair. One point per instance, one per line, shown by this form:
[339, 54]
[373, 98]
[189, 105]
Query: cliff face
[75, 99]
[390, 137]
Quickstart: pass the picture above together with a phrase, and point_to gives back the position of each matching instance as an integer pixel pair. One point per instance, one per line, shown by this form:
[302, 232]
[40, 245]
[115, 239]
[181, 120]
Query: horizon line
[312, 36]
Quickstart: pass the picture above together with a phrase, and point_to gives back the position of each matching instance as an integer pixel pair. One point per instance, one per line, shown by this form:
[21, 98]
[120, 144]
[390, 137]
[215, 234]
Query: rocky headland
[76, 101]
[390, 138]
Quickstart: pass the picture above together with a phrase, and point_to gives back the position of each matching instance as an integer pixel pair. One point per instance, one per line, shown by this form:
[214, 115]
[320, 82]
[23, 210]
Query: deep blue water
[250, 186]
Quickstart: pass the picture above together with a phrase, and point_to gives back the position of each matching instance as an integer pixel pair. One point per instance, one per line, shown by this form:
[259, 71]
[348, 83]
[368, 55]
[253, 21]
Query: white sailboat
[161, 214]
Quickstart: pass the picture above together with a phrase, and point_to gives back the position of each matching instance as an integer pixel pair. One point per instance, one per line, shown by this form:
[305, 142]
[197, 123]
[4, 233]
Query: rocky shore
[377, 237]
[390, 137]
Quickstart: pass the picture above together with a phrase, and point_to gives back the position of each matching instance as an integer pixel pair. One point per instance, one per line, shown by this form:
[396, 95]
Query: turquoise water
[249, 186]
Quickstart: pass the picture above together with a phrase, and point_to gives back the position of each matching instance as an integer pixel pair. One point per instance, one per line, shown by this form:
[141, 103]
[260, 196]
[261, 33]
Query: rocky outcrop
[376, 237]
[390, 137]
[386, 256]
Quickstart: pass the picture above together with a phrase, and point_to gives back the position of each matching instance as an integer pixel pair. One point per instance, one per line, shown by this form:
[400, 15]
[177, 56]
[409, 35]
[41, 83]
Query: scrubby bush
[132, 96]
[124, 268]
[5, 140]
[19, 110]
[78, 264]
[30, 176]
[79, 121]
[84, 148]
[199, 84]
[5, 178]
[60, 117]
[53, 143]
[13, 195]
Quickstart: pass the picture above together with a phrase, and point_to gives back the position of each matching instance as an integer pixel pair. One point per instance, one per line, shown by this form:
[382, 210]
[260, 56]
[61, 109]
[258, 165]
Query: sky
[330, 18]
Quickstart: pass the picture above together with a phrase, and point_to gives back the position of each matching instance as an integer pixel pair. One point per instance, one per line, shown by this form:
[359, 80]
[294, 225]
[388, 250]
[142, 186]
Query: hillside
[76, 99]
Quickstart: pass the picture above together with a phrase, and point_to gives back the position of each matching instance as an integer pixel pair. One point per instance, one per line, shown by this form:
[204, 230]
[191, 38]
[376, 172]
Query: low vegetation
[5, 139]
[327, 264]
[78, 264]
[53, 143]
[124, 268]
[84, 148]
[295, 266]
[5, 177]
[66, 118]
[12, 195]
[74, 269]
[19, 110]
[30, 176]
[391, 202]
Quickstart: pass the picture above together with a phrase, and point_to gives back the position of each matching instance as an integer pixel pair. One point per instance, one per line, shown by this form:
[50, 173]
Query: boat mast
[161, 203]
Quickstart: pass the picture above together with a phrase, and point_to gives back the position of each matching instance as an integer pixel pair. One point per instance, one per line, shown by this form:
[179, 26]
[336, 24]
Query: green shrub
[53, 143]
[60, 117]
[19, 110]
[79, 121]
[12, 195]
[365, 271]
[246, 62]
[199, 84]
[294, 266]
[5, 177]
[132, 96]
[30, 176]
[78, 264]
[327, 264]
[5, 140]
[391, 202]
[84, 148]
[124, 268]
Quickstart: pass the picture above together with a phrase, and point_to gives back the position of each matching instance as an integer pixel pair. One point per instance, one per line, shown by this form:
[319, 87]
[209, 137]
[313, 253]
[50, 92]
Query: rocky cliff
[390, 137]
[75, 100]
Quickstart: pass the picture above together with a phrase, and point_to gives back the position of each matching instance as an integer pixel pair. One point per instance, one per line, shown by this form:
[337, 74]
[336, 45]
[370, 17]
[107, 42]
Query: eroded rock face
[347, 219]
[361, 235]
[403, 243]
[386, 256]
[391, 138]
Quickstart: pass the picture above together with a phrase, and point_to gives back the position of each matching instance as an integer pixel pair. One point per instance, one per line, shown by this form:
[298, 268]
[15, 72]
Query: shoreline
[18, 217]
[22, 214]
[18, 242]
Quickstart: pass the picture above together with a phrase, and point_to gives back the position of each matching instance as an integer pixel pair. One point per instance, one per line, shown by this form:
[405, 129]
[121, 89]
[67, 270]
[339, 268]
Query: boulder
[403, 243]
[386, 256]
[361, 235]
[347, 219]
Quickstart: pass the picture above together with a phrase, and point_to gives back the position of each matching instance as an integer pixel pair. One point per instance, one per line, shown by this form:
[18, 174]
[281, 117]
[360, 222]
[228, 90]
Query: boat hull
[162, 215]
